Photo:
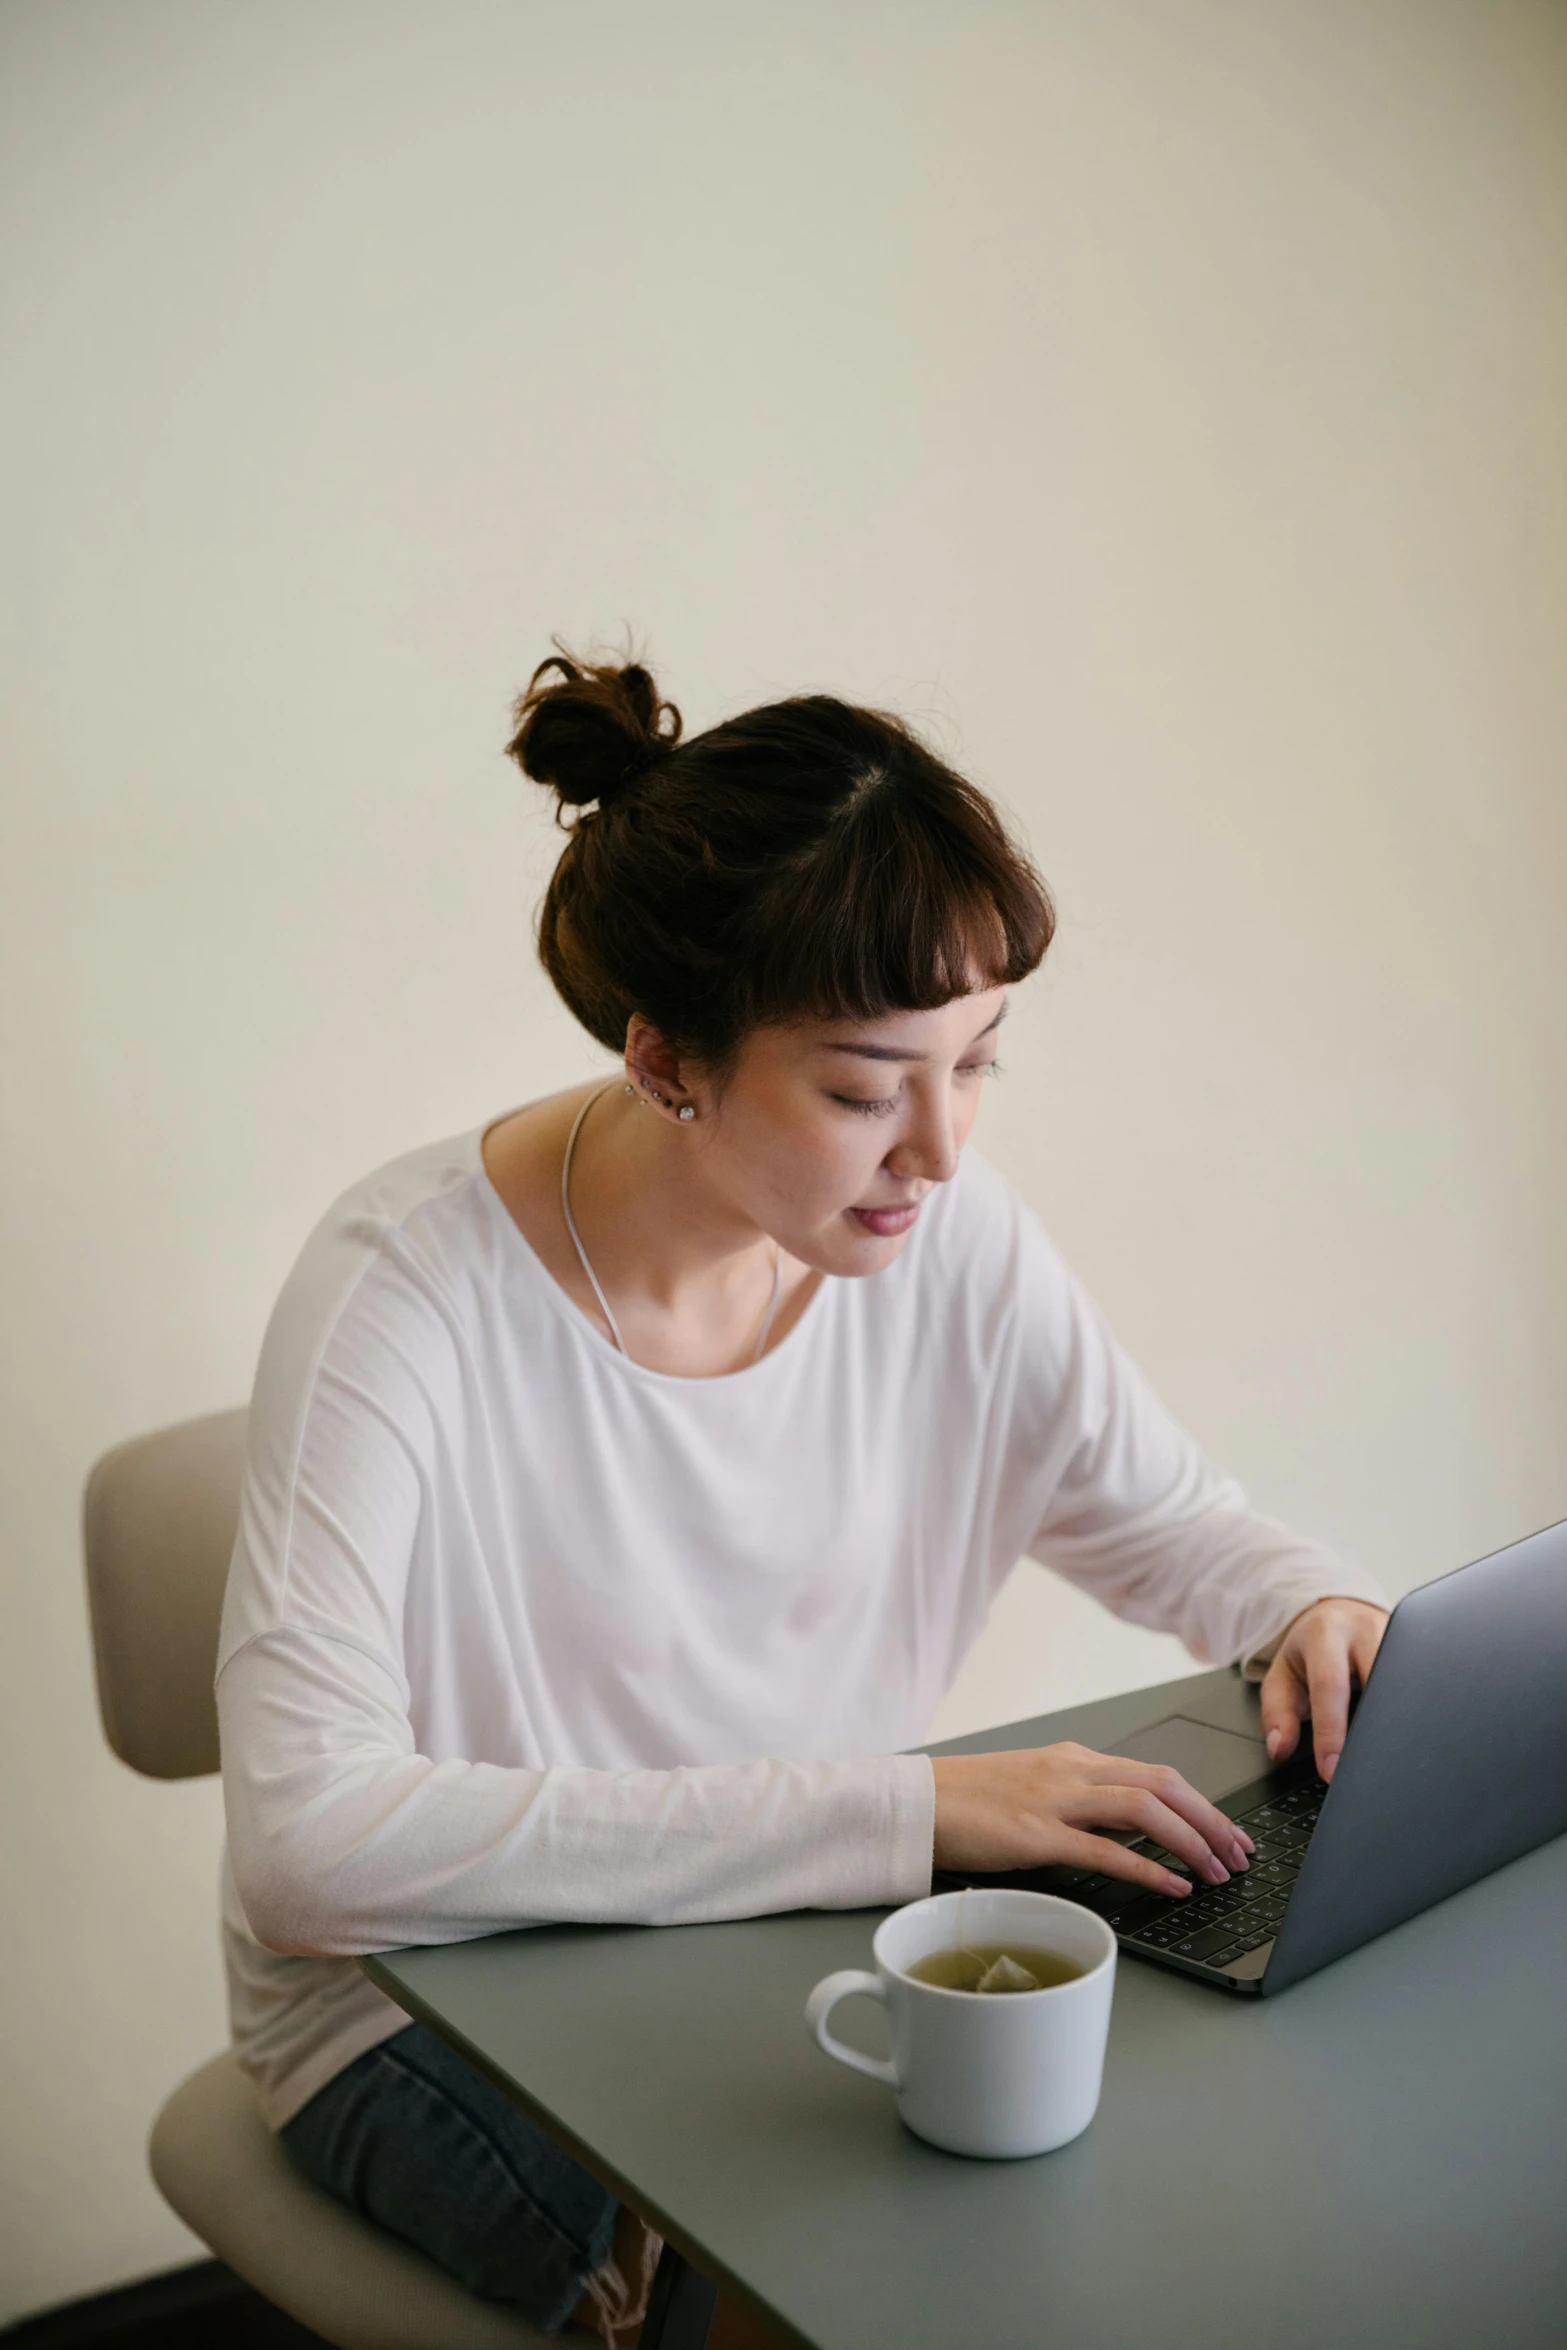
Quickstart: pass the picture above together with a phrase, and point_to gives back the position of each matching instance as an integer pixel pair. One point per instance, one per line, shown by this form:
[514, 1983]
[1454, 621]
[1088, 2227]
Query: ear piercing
[685, 1113]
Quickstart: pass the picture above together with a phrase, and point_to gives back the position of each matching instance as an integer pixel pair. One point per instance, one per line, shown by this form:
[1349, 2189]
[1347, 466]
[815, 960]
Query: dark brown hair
[806, 859]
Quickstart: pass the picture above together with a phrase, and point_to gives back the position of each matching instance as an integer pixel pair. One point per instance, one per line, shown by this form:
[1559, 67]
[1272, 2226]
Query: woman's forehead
[902, 1036]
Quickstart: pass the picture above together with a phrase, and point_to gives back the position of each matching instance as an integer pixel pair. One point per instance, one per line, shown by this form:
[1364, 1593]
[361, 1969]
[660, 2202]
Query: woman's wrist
[1255, 1664]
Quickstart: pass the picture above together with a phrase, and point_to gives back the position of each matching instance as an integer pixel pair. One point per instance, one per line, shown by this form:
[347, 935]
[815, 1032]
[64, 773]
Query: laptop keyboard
[1217, 1924]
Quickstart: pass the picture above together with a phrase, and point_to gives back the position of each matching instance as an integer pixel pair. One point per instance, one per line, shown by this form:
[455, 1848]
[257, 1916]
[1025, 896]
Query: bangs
[911, 901]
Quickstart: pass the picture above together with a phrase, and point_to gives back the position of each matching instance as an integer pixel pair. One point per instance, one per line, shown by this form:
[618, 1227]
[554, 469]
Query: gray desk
[1375, 2160]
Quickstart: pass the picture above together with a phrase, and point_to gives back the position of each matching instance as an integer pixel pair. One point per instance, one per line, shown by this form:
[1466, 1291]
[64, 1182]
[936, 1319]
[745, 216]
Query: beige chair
[158, 1521]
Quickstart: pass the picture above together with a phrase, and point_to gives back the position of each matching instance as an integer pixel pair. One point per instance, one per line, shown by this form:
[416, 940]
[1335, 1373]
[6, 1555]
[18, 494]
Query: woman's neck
[688, 1275]
[646, 1214]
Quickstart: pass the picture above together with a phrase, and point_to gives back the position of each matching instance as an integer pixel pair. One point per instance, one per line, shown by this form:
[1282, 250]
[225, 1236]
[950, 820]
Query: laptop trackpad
[1213, 1761]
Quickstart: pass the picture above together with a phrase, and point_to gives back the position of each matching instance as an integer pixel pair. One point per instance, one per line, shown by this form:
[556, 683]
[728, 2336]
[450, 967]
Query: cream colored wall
[1163, 400]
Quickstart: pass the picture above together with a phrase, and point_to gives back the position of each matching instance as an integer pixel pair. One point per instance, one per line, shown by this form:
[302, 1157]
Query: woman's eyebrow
[892, 1052]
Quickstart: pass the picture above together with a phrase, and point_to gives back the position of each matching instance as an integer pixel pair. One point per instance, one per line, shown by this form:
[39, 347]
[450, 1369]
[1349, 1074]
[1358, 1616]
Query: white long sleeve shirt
[517, 1630]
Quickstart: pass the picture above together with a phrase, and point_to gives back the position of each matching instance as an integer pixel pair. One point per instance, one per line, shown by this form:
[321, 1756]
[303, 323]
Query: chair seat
[224, 2172]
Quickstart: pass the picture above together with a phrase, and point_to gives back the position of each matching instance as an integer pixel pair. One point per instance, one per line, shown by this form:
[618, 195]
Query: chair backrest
[158, 1522]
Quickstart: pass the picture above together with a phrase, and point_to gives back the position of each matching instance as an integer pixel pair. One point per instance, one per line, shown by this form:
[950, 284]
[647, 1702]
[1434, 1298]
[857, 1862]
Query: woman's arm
[1117, 1498]
[344, 1838]
[1127, 1506]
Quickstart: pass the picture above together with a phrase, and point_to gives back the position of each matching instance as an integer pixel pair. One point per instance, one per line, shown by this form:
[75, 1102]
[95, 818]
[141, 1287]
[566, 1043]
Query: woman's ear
[653, 1070]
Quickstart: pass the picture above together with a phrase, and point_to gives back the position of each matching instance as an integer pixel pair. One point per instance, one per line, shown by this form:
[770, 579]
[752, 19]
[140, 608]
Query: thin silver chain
[576, 1242]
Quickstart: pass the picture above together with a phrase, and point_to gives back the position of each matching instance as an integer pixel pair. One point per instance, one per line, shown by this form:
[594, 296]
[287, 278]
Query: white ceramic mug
[997, 2074]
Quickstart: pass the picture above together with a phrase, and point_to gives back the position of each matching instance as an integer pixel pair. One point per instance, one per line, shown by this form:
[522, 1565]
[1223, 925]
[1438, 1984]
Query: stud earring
[685, 1111]
[630, 1088]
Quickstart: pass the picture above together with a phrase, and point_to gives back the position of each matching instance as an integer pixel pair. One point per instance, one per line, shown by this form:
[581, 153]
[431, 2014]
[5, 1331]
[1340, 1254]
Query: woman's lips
[887, 1223]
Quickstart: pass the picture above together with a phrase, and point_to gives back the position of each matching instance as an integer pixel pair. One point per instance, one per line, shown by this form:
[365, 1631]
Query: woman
[628, 1477]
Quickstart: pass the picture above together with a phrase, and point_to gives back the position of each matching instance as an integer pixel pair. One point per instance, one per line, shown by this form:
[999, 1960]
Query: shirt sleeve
[344, 1837]
[1127, 1507]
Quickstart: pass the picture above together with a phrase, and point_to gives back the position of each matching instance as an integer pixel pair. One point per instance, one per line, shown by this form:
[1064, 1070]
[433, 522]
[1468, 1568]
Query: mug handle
[819, 2007]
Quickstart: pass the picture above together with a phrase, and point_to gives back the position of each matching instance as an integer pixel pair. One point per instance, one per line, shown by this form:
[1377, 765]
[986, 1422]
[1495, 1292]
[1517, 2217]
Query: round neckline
[578, 1321]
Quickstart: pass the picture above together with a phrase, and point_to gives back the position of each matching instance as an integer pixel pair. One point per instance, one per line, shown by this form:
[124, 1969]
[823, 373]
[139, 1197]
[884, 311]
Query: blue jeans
[412, 2138]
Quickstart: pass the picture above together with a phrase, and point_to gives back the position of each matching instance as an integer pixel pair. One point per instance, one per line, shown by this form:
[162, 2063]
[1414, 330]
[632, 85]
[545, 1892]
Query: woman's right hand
[1042, 1805]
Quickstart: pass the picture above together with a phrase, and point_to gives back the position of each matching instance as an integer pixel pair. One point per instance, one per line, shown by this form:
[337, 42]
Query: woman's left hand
[1328, 1648]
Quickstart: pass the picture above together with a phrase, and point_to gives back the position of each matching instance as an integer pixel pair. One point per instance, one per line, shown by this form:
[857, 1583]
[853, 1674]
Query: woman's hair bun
[588, 729]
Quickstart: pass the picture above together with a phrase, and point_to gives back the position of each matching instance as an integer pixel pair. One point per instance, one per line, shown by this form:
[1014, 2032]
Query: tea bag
[1004, 1974]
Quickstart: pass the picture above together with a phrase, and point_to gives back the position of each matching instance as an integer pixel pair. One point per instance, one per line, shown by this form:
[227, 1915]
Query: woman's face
[830, 1134]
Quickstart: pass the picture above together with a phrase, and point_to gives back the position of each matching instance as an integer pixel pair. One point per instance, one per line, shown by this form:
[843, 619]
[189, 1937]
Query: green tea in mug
[995, 1966]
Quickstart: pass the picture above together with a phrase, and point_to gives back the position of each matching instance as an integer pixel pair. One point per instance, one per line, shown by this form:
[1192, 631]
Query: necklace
[576, 1242]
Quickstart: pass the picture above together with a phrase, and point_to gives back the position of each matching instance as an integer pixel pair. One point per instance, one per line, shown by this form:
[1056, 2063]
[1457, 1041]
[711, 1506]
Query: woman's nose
[929, 1151]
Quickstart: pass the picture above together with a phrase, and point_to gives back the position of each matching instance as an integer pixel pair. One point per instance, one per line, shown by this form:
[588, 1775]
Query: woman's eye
[881, 1105]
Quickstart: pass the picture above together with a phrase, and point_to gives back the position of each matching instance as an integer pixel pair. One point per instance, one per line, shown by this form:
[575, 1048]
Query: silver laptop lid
[1456, 1761]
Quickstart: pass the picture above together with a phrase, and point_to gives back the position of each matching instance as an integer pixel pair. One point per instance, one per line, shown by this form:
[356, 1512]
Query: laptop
[1455, 1764]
